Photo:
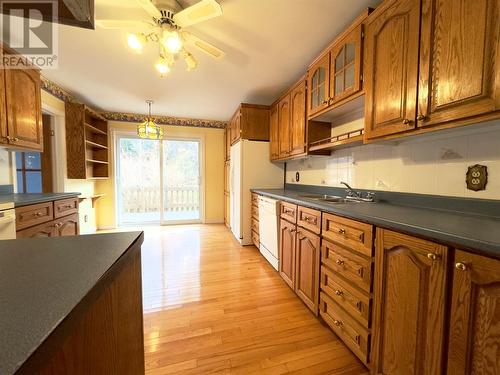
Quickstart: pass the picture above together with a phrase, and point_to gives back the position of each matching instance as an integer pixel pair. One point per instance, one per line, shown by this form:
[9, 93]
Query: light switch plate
[477, 177]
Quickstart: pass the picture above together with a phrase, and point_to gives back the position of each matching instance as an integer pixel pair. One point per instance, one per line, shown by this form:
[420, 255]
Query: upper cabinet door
[3, 107]
[391, 68]
[475, 316]
[284, 126]
[318, 85]
[459, 60]
[274, 133]
[298, 123]
[345, 69]
[410, 304]
[24, 108]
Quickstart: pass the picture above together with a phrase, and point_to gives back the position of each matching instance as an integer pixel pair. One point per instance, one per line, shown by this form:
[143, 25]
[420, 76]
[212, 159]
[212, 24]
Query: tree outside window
[29, 172]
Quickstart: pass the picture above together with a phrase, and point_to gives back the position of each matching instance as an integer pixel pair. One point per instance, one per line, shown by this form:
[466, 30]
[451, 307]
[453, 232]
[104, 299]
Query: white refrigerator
[249, 168]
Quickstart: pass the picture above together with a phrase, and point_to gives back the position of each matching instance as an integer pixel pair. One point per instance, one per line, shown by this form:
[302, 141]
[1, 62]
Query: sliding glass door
[158, 181]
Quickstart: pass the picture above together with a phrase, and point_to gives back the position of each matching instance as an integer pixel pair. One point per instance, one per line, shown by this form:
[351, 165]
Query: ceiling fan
[167, 29]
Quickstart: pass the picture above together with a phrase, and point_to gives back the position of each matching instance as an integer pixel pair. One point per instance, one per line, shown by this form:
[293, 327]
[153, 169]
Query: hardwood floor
[212, 306]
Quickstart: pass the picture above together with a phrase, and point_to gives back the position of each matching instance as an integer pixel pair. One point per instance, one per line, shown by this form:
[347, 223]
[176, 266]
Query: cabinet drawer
[353, 301]
[65, 207]
[345, 263]
[255, 225]
[352, 333]
[255, 200]
[309, 219]
[35, 214]
[255, 212]
[349, 233]
[256, 239]
[288, 212]
[47, 229]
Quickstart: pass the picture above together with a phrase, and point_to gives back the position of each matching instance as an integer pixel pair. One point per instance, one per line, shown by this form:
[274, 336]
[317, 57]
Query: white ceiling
[268, 45]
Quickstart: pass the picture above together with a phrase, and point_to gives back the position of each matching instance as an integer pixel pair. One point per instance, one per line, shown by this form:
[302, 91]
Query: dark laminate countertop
[480, 234]
[33, 198]
[42, 280]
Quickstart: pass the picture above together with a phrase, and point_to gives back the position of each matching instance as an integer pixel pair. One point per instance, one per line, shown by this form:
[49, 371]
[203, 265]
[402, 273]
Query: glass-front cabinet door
[318, 85]
[345, 73]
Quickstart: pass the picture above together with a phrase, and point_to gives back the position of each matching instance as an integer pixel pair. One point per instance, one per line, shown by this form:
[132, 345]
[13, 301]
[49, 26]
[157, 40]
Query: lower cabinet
[300, 261]
[410, 287]
[48, 219]
[307, 253]
[474, 334]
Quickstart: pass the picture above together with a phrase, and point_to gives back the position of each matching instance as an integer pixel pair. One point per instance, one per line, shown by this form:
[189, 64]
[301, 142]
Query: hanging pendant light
[149, 129]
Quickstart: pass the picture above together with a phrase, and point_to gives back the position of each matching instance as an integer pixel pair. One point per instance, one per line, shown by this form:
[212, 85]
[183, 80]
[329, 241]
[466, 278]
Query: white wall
[6, 176]
[435, 163]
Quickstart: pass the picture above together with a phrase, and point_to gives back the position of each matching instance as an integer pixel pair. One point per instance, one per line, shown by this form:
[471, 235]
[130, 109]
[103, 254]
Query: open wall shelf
[86, 142]
[352, 138]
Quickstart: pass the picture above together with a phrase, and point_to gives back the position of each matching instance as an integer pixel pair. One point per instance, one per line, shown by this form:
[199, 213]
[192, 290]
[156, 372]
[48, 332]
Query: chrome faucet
[356, 195]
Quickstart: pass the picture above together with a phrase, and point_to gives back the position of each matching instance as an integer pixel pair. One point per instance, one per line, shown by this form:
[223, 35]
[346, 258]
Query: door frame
[119, 134]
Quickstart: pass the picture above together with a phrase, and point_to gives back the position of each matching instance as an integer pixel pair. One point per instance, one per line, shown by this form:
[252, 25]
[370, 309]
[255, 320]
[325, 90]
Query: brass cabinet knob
[338, 292]
[341, 231]
[338, 323]
[432, 256]
[406, 122]
[16, 139]
[325, 101]
[330, 101]
[339, 262]
[38, 214]
[460, 266]
[421, 117]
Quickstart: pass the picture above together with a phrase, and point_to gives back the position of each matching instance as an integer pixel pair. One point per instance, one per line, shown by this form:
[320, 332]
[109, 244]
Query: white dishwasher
[268, 230]
[7, 221]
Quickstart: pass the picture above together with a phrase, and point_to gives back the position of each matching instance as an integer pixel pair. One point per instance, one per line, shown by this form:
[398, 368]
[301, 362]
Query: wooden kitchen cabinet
[307, 270]
[42, 230]
[274, 136]
[474, 331]
[459, 62]
[284, 114]
[227, 143]
[287, 252]
[67, 226]
[391, 68]
[298, 119]
[21, 108]
[410, 304]
[318, 83]
[250, 121]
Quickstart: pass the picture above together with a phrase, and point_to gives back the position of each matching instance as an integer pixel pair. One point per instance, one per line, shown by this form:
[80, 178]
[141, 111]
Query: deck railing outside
[147, 199]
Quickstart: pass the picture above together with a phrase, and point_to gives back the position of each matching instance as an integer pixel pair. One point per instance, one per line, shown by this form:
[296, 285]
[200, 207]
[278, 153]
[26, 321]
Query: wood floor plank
[212, 306]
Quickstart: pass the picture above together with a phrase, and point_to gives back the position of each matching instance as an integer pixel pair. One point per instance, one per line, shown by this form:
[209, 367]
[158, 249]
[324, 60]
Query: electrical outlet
[477, 177]
[86, 218]
[297, 176]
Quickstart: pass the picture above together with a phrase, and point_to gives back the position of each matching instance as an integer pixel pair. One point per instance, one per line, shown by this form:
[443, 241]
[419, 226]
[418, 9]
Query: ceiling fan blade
[123, 24]
[204, 46]
[150, 8]
[199, 12]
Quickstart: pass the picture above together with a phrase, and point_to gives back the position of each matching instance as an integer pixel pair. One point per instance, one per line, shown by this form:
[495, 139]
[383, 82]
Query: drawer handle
[338, 323]
[338, 292]
[433, 256]
[57, 225]
[340, 262]
[310, 219]
[460, 266]
[287, 211]
[38, 214]
[341, 231]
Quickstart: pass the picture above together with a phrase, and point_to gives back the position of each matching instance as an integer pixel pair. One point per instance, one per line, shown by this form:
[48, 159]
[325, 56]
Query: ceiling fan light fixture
[190, 61]
[162, 66]
[172, 41]
[149, 129]
[135, 41]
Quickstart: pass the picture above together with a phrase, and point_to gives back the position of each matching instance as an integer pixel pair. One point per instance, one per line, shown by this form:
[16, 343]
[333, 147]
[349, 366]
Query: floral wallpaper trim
[56, 90]
[164, 120]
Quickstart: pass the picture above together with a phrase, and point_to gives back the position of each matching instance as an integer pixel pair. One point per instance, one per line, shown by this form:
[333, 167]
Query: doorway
[158, 181]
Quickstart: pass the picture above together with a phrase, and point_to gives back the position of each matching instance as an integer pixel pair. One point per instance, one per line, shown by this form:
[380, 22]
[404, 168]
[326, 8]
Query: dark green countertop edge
[486, 242]
[26, 199]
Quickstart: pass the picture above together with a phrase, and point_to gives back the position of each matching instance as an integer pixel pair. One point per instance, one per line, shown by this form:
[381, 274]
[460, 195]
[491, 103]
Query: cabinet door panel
[307, 268]
[391, 66]
[42, 230]
[284, 126]
[298, 123]
[24, 108]
[3, 115]
[274, 136]
[475, 316]
[287, 252]
[318, 78]
[68, 226]
[459, 62]
[409, 302]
